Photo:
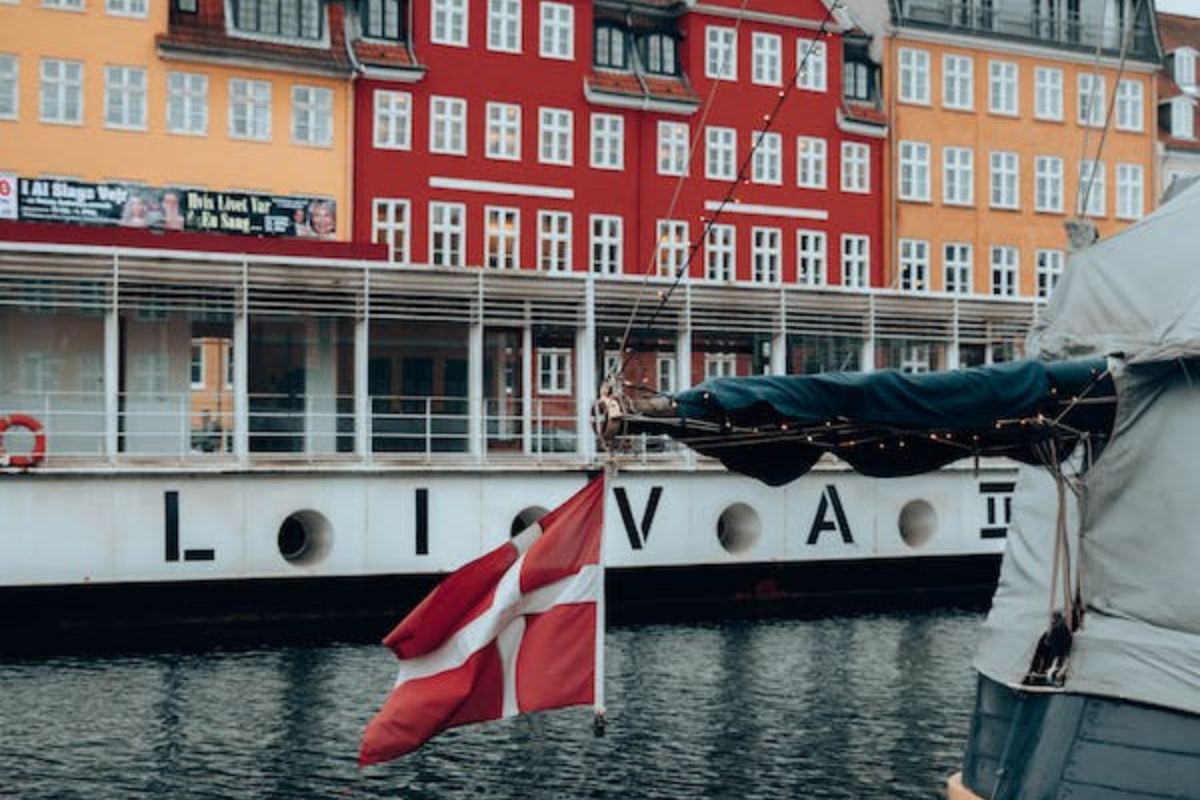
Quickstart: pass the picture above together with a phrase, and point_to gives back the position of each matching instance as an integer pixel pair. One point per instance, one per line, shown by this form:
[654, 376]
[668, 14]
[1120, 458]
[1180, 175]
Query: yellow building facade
[120, 91]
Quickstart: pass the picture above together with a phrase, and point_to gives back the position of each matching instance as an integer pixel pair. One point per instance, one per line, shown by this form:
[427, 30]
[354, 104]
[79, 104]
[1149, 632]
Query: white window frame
[673, 239]
[504, 26]
[1004, 97]
[501, 237]
[766, 255]
[1048, 94]
[64, 5]
[606, 243]
[856, 168]
[856, 261]
[137, 9]
[720, 253]
[10, 86]
[1005, 270]
[1049, 270]
[556, 26]
[913, 180]
[1004, 180]
[720, 153]
[187, 97]
[913, 84]
[448, 125]
[1096, 200]
[1048, 174]
[1185, 67]
[1183, 118]
[767, 165]
[665, 373]
[1130, 106]
[720, 365]
[312, 116]
[766, 62]
[958, 264]
[554, 241]
[958, 176]
[812, 259]
[813, 74]
[395, 229]
[125, 98]
[912, 274]
[811, 162]
[62, 90]
[502, 140]
[449, 22]
[672, 148]
[1131, 191]
[556, 136]
[250, 106]
[958, 82]
[608, 141]
[554, 370]
[1091, 106]
[447, 234]
[720, 53]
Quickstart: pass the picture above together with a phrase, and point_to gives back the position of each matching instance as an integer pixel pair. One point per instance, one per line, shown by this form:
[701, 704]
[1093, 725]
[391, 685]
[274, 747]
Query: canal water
[856, 707]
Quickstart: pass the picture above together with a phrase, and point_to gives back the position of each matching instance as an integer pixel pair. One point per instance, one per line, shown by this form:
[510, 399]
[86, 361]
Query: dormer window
[659, 54]
[383, 19]
[1185, 68]
[290, 19]
[609, 46]
[857, 76]
[1183, 118]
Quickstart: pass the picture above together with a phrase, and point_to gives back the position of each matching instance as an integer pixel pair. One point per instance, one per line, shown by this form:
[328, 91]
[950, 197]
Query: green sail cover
[887, 423]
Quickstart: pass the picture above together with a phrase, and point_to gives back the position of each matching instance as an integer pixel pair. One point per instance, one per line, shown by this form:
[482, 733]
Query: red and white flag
[516, 630]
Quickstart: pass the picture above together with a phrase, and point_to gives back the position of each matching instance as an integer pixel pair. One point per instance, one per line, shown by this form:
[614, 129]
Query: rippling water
[858, 707]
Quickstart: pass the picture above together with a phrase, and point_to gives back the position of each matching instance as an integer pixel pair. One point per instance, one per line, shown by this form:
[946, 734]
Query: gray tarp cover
[1135, 297]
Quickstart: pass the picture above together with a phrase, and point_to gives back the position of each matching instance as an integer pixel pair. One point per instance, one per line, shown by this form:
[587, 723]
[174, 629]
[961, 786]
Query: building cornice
[208, 54]
[847, 125]
[834, 26]
[995, 45]
[640, 102]
[393, 74]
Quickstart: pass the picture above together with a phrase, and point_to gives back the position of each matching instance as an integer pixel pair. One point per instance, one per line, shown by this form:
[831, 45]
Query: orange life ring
[39, 440]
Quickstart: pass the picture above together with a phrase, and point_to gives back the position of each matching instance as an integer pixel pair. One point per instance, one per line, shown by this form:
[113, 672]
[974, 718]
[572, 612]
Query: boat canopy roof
[888, 423]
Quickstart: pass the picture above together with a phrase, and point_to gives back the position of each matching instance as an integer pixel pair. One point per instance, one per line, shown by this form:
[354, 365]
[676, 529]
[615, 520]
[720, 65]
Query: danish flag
[516, 630]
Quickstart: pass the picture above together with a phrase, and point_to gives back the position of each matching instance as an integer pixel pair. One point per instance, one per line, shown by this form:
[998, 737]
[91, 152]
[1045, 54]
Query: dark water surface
[855, 707]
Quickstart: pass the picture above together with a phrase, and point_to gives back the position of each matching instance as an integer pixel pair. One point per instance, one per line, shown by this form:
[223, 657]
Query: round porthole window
[738, 528]
[304, 538]
[918, 522]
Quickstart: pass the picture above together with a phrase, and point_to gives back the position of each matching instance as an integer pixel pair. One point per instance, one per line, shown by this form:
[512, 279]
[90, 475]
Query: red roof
[654, 87]
[384, 54]
[1177, 31]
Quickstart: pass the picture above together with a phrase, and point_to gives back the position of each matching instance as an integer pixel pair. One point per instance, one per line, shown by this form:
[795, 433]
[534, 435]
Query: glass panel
[502, 389]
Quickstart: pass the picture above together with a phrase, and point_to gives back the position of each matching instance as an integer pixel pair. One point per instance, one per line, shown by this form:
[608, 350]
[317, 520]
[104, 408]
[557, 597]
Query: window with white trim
[914, 171]
[250, 110]
[957, 267]
[503, 139]
[814, 68]
[383, 19]
[914, 265]
[610, 46]
[448, 125]
[1185, 67]
[554, 370]
[720, 365]
[1183, 118]
[198, 365]
[127, 8]
[767, 166]
[665, 367]
[554, 241]
[607, 243]
[504, 26]
[1004, 271]
[502, 237]
[390, 225]
[810, 162]
[958, 82]
[1091, 189]
[766, 50]
[720, 253]
[856, 167]
[856, 260]
[448, 22]
[914, 76]
[187, 103]
[1131, 190]
[915, 359]
[10, 96]
[672, 252]
[312, 116]
[672, 148]
[958, 176]
[557, 39]
[1048, 93]
[297, 19]
[447, 234]
[555, 127]
[608, 141]
[660, 53]
[66, 5]
[720, 53]
[720, 153]
[1002, 88]
[1129, 105]
[61, 91]
[1049, 271]
[1091, 106]
[766, 254]
[1048, 184]
[125, 97]
[811, 262]
[1004, 180]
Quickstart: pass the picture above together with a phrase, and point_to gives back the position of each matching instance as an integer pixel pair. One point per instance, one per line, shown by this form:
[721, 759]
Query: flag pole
[598, 718]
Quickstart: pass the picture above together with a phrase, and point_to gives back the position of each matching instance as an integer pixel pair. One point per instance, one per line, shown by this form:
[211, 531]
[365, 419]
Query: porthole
[304, 538]
[918, 522]
[738, 528]
[527, 517]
